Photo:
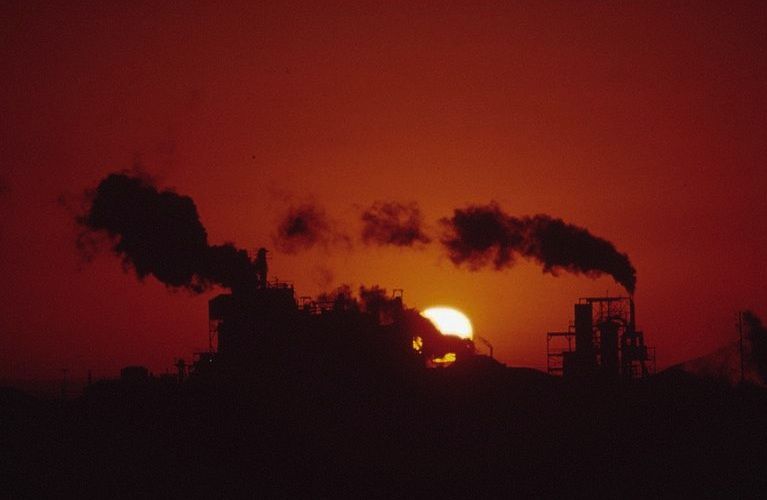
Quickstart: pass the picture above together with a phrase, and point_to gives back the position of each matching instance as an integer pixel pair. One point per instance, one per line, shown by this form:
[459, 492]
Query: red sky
[642, 122]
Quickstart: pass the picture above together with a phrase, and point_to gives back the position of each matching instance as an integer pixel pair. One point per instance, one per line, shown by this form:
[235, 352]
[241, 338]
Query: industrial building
[601, 341]
[265, 324]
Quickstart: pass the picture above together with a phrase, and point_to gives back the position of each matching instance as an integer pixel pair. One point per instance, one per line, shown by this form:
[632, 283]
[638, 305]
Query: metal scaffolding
[602, 340]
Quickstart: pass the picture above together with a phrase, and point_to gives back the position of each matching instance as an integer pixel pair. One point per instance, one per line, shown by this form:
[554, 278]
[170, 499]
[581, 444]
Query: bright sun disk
[449, 321]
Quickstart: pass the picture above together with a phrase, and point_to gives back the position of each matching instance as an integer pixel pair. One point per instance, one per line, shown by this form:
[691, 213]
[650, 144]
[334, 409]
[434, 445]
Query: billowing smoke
[159, 233]
[377, 302]
[482, 235]
[341, 298]
[303, 227]
[392, 223]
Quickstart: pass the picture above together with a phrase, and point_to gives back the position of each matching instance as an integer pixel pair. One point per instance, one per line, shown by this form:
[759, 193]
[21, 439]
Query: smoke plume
[302, 228]
[481, 235]
[159, 233]
[392, 223]
[376, 301]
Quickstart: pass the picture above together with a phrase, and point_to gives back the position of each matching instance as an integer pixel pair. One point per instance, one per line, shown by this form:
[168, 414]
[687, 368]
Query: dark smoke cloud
[159, 233]
[342, 299]
[376, 301]
[303, 227]
[392, 223]
[481, 235]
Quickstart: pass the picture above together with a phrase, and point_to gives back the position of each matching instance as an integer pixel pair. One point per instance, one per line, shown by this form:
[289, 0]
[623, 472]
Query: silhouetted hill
[724, 365]
[45, 388]
[472, 429]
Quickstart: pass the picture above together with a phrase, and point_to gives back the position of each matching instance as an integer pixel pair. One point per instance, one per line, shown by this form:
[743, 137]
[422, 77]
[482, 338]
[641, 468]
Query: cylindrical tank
[608, 347]
[584, 341]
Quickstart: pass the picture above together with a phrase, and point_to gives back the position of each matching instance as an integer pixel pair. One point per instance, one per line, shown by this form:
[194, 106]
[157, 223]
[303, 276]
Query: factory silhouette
[159, 233]
[352, 394]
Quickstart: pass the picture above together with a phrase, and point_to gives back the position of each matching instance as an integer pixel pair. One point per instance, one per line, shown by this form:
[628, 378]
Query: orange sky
[644, 123]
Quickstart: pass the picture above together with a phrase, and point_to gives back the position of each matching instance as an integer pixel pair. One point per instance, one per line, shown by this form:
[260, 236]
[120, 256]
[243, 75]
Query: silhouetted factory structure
[258, 322]
[263, 323]
[601, 341]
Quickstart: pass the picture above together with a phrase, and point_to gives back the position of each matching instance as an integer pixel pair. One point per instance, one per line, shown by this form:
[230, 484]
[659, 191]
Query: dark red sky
[644, 123]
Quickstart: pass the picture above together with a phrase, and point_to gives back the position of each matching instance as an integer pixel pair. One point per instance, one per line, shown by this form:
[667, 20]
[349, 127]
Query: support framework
[602, 340]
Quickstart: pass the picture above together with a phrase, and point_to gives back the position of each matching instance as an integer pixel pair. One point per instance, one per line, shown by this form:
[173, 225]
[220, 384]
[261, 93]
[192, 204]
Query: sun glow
[449, 321]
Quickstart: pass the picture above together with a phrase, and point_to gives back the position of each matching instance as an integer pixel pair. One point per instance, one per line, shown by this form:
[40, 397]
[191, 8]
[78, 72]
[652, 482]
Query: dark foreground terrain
[474, 429]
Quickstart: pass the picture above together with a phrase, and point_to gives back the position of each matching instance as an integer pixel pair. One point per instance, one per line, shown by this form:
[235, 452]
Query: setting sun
[449, 321]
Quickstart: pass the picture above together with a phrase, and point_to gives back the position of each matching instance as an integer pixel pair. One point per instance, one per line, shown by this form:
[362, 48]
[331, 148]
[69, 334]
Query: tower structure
[602, 341]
